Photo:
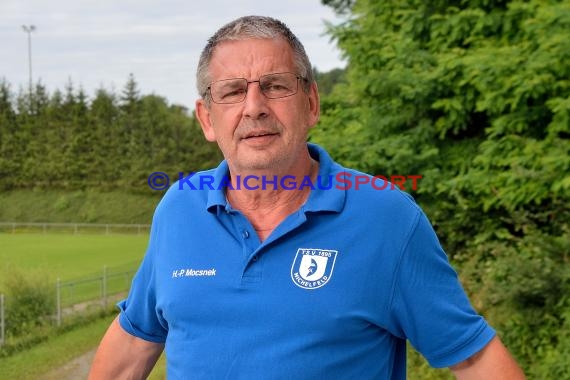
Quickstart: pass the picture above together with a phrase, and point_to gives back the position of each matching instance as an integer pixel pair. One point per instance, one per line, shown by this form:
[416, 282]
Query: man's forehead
[250, 58]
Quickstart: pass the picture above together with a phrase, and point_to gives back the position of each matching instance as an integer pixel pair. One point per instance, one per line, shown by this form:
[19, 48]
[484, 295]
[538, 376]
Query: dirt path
[76, 369]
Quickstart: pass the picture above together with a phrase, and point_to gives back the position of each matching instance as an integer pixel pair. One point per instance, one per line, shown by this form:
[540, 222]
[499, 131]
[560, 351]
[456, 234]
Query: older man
[274, 282]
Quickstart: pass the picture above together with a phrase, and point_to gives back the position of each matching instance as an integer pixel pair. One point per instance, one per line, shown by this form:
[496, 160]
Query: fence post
[58, 301]
[104, 288]
[2, 321]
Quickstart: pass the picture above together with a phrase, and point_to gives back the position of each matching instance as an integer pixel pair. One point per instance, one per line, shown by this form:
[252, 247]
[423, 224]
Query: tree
[8, 127]
[475, 97]
[71, 143]
[327, 80]
[106, 167]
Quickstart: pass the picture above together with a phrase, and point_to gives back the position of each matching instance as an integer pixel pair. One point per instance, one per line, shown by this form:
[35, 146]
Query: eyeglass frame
[208, 92]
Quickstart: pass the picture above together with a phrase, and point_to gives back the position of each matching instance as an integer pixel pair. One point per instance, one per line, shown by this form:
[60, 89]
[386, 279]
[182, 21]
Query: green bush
[29, 302]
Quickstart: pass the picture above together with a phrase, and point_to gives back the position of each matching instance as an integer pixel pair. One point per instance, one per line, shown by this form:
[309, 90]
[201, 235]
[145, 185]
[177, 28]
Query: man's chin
[261, 162]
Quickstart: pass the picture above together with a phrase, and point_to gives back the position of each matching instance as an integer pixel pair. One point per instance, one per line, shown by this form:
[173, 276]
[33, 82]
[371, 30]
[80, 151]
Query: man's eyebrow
[230, 81]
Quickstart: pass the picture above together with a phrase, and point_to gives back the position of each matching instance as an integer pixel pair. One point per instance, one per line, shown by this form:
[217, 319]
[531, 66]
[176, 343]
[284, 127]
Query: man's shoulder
[374, 191]
[363, 189]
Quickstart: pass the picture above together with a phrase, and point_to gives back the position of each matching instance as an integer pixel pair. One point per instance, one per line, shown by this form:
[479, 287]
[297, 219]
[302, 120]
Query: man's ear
[203, 115]
[314, 105]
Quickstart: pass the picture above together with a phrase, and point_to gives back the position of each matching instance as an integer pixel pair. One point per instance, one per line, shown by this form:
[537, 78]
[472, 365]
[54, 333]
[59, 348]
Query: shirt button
[245, 234]
[254, 258]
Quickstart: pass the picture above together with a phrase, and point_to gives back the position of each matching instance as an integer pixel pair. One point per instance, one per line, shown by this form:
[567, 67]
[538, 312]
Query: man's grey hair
[253, 27]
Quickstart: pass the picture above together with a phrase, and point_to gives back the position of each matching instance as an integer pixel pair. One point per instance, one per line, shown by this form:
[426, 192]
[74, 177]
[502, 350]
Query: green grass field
[68, 256]
[71, 258]
[78, 261]
[59, 206]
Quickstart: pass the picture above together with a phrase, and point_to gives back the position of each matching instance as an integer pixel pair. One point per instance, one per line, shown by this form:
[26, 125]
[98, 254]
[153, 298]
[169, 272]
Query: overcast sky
[97, 43]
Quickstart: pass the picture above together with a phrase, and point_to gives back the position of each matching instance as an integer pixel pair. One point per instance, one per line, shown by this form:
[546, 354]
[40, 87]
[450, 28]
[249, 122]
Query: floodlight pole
[29, 29]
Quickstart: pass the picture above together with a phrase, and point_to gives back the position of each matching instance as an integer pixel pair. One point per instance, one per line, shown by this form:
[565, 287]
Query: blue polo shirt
[334, 292]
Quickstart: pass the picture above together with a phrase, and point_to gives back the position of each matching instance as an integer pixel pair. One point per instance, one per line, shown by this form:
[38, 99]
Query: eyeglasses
[272, 86]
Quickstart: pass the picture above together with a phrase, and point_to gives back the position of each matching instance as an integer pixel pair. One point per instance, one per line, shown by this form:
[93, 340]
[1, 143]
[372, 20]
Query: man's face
[258, 133]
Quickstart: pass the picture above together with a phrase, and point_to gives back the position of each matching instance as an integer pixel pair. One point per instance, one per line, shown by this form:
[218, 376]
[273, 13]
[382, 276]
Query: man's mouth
[258, 135]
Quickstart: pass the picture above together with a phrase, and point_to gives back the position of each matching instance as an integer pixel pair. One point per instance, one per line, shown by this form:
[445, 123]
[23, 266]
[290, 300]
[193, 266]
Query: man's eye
[273, 87]
[233, 93]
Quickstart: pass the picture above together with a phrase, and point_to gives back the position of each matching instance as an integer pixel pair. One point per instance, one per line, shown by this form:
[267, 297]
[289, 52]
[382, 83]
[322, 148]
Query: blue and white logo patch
[313, 268]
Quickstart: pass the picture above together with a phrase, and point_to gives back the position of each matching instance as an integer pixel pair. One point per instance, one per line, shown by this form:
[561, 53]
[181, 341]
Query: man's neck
[267, 204]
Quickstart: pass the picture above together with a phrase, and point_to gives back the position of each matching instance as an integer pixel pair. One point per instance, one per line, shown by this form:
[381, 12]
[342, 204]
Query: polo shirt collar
[217, 200]
[320, 199]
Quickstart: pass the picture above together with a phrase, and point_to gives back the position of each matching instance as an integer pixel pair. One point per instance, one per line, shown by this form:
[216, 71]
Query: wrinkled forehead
[251, 58]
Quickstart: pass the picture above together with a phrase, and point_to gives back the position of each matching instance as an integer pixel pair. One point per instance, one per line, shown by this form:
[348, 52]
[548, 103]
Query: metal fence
[82, 295]
[76, 228]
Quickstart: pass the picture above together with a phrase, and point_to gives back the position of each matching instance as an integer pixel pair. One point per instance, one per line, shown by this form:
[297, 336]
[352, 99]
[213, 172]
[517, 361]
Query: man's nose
[255, 103]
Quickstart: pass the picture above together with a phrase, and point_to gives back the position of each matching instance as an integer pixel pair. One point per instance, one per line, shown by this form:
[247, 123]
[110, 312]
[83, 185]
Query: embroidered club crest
[312, 268]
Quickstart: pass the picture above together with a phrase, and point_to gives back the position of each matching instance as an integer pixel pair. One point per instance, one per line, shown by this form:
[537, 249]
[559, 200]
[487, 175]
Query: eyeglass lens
[273, 86]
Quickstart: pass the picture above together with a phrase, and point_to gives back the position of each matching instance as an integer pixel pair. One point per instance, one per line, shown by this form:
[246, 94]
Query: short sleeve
[138, 314]
[429, 306]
